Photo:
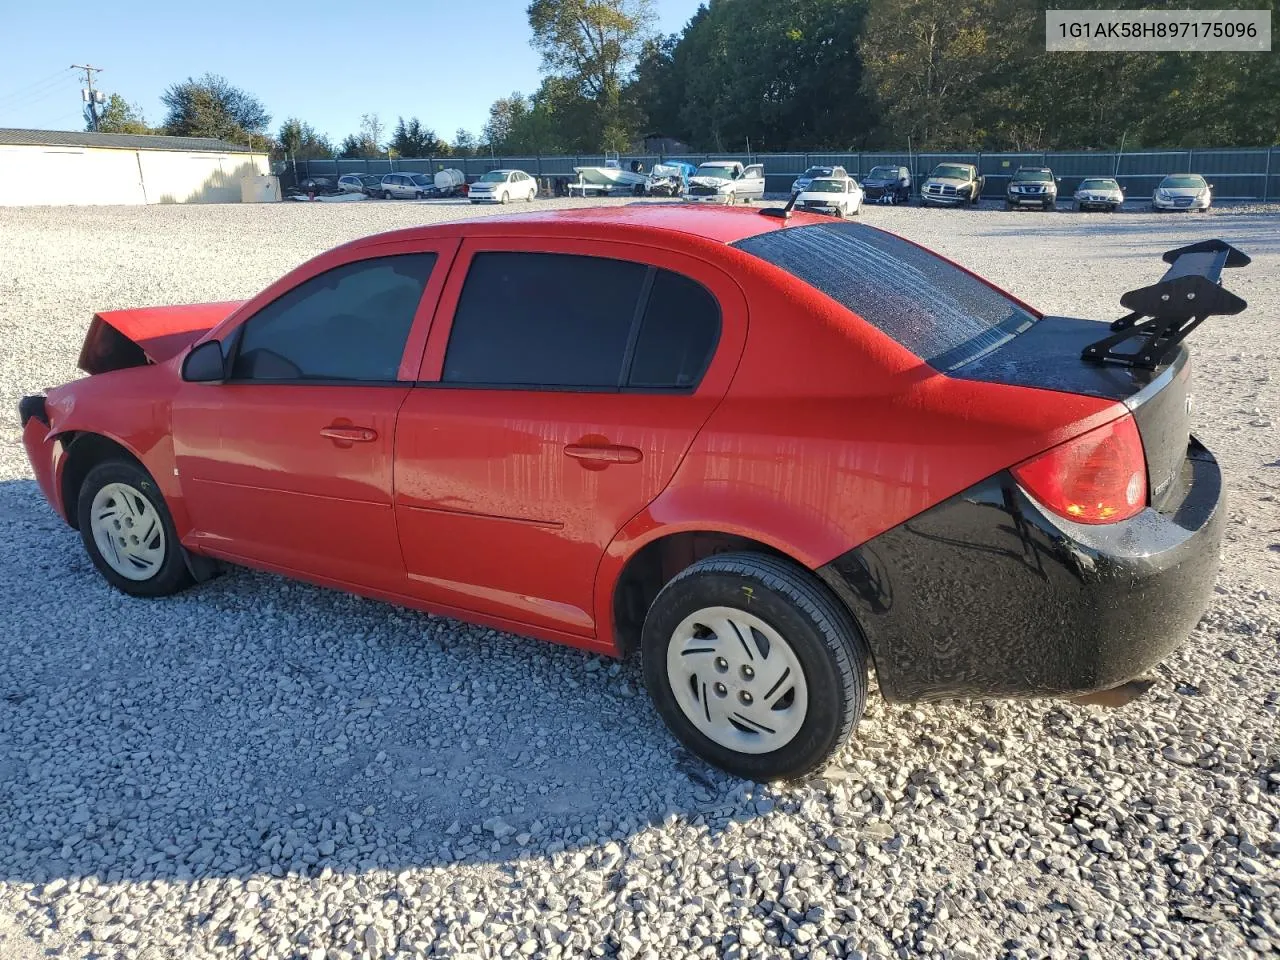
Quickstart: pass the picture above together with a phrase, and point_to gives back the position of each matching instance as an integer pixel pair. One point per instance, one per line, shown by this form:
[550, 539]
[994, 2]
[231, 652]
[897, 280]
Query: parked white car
[1099, 193]
[726, 181]
[835, 196]
[801, 183]
[503, 186]
[1182, 191]
[405, 186]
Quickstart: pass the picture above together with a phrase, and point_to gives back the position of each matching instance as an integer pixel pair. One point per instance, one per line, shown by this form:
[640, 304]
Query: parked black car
[1032, 187]
[889, 181]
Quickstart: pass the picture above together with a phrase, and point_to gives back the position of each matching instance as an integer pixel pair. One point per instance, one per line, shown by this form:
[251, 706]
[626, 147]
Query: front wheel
[128, 533]
[504, 198]
[754, 665]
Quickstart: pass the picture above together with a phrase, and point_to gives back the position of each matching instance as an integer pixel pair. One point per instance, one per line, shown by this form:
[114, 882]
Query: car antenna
[782, 213]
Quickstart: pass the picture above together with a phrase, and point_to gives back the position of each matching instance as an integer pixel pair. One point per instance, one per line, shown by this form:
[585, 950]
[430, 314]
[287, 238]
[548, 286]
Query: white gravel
[262, 769]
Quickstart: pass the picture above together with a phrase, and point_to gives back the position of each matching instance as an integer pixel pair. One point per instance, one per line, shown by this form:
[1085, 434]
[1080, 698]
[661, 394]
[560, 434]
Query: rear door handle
[350, 434]
[604, 453]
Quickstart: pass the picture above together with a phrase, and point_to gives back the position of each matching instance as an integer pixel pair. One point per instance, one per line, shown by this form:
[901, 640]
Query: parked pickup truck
[952, 185]
[726, 181]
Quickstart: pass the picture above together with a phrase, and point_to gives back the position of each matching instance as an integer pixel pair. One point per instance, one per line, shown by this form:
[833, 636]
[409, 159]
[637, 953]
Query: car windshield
[1183, 182]
[818, 172]
[420, 180]
[494, 176]
[721, 171]
[371, 178]
[827, 186]
[1033, 176]
[952, 171]
[942, 314]
[883, 173]
[1099, 185]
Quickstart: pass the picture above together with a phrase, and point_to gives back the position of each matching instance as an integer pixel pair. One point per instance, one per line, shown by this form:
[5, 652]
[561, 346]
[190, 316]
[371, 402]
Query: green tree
[505, 115]
[213, 107]
[593, 45]
[465, 143]
[411, 139]
[120, 116]
[301, 142]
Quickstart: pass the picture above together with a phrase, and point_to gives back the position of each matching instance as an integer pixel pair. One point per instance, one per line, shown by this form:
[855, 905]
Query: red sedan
[769, 452]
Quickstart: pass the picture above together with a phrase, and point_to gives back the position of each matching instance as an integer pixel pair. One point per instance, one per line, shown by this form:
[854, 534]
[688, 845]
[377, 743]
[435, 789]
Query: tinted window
[544, 319]
[677, 335]
[349, 323]
[934, 309]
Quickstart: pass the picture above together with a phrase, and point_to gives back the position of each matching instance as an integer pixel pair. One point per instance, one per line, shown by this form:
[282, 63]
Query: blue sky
[325, 62]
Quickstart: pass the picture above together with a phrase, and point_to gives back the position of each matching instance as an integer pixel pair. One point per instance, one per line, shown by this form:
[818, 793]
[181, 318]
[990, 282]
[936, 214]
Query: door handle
[349, 434]
[603, 453]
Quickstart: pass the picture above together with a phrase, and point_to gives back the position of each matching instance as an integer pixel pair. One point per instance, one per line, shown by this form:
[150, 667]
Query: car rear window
[933, 308]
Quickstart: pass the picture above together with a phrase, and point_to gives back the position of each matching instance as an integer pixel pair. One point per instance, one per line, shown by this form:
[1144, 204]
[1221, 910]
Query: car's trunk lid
[136, 337]
[1047, 356]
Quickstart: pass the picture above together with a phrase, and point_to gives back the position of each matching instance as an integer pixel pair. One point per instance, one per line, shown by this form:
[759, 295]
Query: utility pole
[91, 97]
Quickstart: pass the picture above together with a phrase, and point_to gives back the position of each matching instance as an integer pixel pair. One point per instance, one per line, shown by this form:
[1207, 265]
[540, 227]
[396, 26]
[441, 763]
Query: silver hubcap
[128, 531]
[737, 680]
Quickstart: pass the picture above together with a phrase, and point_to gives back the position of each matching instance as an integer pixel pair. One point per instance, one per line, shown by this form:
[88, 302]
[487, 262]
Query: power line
[37, 86]
[92, 109]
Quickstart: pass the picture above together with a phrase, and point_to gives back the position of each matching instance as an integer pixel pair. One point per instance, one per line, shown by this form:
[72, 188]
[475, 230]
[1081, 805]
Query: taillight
[1099, 477]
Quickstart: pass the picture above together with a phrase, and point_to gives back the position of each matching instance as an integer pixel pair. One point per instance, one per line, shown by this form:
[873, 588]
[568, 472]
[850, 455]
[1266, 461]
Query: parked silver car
[405, 186]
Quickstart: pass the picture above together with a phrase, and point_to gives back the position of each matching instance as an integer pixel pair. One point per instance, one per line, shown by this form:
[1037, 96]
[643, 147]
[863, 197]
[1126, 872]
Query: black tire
[821, 633]
[173, 575]
[386, 194]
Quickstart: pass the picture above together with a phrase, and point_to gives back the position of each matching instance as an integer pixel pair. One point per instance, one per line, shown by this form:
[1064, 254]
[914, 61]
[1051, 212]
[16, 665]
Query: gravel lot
[263, 769]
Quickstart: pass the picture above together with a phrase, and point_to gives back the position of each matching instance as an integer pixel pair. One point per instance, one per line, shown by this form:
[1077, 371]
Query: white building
[47, 167]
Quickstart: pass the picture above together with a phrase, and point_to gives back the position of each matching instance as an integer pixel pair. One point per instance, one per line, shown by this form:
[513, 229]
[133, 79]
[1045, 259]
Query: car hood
[948, 181]
[1182, 191]
[705, 181]
[879, 181]
[133, 338]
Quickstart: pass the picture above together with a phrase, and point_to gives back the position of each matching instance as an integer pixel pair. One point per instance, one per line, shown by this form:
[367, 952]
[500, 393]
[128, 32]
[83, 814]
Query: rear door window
[567, 321]
[933, 308]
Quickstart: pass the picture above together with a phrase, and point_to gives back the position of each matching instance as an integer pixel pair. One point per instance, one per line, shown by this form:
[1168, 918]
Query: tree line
[777, 75]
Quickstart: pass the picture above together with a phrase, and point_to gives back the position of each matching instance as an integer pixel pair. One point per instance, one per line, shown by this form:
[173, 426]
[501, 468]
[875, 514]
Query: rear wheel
[754, 665]
[128, 532]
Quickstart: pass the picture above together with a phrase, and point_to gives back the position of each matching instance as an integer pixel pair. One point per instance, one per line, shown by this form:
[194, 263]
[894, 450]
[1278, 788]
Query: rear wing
[1165, 312]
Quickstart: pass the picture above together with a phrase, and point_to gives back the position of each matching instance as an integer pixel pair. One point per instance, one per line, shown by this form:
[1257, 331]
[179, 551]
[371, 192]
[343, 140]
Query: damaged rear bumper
[987, 594]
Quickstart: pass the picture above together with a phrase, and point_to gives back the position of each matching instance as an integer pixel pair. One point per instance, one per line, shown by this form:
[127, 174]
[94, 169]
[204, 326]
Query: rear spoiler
[1165, 312]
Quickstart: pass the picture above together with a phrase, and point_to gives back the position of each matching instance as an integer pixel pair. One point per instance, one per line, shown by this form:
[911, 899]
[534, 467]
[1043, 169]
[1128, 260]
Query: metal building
[55, 167]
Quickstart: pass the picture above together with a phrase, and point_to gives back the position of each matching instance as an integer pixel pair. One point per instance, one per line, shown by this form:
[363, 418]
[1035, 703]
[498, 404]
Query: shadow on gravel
[253, 725]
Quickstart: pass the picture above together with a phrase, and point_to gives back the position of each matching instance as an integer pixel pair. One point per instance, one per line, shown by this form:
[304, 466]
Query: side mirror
[205, 364]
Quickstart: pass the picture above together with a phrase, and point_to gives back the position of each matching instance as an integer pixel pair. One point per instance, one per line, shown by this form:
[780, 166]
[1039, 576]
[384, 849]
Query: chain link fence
[1251, 173]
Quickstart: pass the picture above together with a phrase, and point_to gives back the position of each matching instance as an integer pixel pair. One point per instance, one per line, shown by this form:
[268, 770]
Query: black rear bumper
[987, 594]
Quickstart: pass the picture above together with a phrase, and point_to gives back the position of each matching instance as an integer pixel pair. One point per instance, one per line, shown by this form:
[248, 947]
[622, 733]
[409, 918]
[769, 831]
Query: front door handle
[344, 434]
[603, 453]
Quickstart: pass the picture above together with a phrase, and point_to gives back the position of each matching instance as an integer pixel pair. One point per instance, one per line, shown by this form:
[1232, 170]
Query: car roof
[653, 223]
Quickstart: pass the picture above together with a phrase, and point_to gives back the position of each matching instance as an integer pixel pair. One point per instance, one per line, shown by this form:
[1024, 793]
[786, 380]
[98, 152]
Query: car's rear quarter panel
[832, 433]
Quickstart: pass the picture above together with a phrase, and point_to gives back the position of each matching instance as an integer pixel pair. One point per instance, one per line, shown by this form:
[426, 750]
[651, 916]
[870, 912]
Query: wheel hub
[737, 680]
[127, 531]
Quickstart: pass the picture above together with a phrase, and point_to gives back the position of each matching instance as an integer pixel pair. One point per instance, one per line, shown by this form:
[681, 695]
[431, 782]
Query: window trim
[633, 334]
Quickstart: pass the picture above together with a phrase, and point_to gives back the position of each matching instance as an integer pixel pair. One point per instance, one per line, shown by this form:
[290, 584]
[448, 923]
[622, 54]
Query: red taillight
[1099, 477]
